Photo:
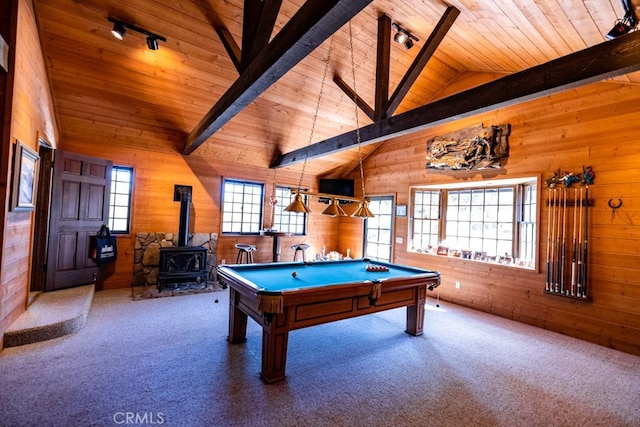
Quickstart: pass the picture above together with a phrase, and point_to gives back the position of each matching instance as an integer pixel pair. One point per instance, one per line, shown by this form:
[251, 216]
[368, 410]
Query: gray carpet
[166, 361]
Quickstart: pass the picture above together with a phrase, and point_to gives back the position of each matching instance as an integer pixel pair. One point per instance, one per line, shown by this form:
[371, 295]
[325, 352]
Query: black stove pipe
[185, 212]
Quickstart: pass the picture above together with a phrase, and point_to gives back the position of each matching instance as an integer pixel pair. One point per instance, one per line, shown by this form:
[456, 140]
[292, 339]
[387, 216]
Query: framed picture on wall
[25, 178]
[401, 210]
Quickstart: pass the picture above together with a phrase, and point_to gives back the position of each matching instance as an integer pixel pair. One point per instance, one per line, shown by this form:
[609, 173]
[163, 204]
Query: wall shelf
[568, 295]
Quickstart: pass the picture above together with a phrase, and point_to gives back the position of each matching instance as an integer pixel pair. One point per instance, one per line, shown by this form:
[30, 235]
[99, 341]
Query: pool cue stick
[553, 239]
[573, 255]
[579, 286]
[558, 245]
[564, 234]
[586, 233]
[548, 241]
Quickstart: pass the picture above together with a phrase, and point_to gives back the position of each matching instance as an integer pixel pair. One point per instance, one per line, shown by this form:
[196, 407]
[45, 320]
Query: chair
[300, 247]
[245, 252]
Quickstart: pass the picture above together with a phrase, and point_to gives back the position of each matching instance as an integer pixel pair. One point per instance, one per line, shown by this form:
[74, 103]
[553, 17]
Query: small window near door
[242, 203]
[120, 203]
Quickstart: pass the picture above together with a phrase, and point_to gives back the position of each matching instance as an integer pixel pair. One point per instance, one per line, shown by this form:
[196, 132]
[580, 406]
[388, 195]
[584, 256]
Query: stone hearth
[147, 255]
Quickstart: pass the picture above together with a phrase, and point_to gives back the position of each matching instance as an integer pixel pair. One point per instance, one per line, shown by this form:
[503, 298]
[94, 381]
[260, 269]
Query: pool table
[282, 297]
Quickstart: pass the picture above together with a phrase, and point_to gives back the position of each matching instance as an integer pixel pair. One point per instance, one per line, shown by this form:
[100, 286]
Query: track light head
[400, 37]
[118, 31]
[152, 43]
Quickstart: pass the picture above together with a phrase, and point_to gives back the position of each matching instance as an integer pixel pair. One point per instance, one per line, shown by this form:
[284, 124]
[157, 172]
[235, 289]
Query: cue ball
[294, 274]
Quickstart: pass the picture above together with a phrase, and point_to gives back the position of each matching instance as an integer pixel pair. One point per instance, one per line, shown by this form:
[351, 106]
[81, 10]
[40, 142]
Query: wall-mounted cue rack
[567, 241]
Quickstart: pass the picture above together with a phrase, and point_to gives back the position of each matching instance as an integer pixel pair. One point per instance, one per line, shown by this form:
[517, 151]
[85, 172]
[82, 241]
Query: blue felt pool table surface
[279, 277]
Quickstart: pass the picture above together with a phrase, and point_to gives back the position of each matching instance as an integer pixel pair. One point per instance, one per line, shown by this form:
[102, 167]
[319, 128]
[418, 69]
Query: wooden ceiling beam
[259, 19]
[437, 35]
[383, 56]
[383, 65]
[230, 45]
[361, 103]
[605, 60]
[385, 106]
[313, 23]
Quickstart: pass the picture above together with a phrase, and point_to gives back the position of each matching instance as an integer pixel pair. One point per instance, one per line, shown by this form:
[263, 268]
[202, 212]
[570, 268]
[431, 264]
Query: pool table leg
[275, 338]
[237, 319]
[415, 313]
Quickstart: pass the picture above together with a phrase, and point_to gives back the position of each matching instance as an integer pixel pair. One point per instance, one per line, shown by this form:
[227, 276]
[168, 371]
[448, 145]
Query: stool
[300, 247]
[245, 251]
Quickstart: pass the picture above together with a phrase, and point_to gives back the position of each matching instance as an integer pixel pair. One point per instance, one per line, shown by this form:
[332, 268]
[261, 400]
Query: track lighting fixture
[403, 36]
[120, 28]
[626, 24]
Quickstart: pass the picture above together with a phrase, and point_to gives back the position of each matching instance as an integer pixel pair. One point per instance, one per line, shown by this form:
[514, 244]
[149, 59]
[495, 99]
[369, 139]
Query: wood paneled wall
[595, 125]
[156, 173]
[31, 117]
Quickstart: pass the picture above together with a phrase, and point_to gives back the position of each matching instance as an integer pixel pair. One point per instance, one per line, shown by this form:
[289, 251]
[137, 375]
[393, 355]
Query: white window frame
[524, 212]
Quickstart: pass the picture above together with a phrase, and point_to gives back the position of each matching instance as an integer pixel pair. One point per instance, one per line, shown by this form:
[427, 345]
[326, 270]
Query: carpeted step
[52, 315]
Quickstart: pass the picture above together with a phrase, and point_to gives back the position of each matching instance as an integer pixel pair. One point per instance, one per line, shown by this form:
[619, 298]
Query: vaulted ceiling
[154, 100]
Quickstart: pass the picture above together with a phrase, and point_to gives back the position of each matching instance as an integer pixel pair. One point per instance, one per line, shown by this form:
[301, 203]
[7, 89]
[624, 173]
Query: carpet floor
[166, 361]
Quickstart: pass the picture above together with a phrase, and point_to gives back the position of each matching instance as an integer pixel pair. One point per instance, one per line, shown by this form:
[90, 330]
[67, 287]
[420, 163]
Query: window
[480, 220]
[120, 202]
[426, 216]
[242, 207]
[282, 220]
[493, 221]
[527, 222]
[378, 230]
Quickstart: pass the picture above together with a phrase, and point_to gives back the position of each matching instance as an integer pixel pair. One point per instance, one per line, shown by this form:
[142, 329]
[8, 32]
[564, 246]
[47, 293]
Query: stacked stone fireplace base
[146, 269]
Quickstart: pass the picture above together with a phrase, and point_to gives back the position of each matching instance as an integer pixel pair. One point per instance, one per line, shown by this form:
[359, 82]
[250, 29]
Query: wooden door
[79, 206]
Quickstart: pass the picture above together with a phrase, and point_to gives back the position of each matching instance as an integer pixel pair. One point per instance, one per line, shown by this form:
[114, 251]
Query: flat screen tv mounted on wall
[339, 187]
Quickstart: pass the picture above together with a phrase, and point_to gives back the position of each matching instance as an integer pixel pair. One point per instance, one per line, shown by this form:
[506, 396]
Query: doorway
[41, 221]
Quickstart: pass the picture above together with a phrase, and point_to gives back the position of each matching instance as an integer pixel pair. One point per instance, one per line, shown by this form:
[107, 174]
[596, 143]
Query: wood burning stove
[181, 265]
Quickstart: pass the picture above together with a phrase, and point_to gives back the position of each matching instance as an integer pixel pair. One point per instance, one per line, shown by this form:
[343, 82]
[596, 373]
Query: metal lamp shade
[298, 205]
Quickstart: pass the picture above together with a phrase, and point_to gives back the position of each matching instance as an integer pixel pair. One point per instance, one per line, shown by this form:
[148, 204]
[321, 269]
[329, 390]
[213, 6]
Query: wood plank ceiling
[154, 99]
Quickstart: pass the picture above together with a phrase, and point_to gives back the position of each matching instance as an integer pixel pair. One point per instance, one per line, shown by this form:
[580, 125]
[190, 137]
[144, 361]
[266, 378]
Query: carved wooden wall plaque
[473, 148]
